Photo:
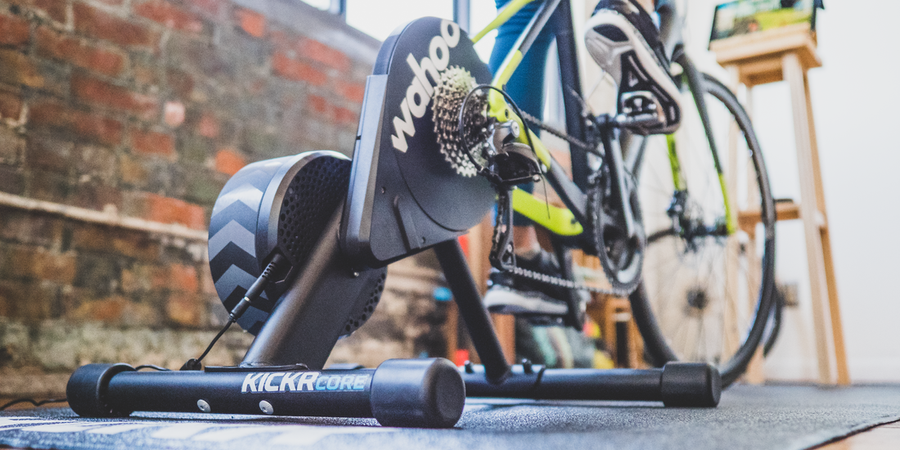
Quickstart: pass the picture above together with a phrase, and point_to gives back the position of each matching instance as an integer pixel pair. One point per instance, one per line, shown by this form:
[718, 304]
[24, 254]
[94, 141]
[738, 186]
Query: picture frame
[742, 17]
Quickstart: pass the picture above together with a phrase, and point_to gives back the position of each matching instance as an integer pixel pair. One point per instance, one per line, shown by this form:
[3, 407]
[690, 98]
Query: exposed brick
[56, 77]
[183, 278]
[204, 185]
[207, 285]
[111, 241]
[98, 272]
[54, 9]
[180, 82]
[95, 196]
[51, 44]
[12, 146]
[28, 301]
[96, 92]
[19, 69]
[184, 309]
[10, 105]
[145, 75]
[132, 171]
[169, 15]
[228, 161]
[321, 53]
[291, 69]
[14, 31]
[195, 148]
[213, 8]
[252, 22]
[354, 92]
[33, 263]
[163, 209]
[346, 117]
[103, 25]
[138, 278]
[208, 126]
[153, 143]
[50, 114]
[49, 186]
[108, 310]
[12, 180]
[96, 163]
[50, 153]
[320, 106]
[195, 56]
[173, 114]
[29, 227]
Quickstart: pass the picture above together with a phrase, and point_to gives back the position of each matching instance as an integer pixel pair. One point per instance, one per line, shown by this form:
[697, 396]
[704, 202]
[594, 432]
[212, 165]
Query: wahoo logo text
[421, 88]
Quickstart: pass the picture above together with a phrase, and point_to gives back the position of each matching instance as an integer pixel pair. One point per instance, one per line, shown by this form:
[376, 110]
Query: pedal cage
[640, 111]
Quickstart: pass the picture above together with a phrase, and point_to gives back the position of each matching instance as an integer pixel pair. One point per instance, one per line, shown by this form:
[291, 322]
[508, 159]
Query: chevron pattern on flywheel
[232, 238]
[293, 192]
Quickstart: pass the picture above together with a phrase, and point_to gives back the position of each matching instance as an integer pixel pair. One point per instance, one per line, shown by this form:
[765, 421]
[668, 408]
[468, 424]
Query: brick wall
[145, 108]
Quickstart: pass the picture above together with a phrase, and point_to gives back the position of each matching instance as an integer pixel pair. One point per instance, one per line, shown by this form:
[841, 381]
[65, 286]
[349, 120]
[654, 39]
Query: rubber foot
[424, 393]
[691, 385]
[86, 390]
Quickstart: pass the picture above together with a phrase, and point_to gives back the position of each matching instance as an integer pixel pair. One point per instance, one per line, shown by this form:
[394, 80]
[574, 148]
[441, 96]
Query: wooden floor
[884, 437]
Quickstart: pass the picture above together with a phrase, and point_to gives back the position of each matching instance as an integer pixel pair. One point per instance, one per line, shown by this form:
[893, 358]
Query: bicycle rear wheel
[707, 290]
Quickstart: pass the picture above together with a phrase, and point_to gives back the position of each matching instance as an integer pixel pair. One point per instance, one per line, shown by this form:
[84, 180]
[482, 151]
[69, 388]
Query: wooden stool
[787, 54]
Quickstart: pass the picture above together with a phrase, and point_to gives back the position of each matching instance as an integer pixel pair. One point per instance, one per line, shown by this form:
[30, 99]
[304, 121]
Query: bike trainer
[298, 248]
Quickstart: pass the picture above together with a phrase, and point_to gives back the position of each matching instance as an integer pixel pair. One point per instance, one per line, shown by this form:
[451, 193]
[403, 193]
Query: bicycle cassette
[453, 87]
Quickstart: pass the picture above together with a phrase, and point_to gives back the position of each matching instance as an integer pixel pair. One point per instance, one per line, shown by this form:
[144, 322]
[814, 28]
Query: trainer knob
[427, 393]
[86, 390]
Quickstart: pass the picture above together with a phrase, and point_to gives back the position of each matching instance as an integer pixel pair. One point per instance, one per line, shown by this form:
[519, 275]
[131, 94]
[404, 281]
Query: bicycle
[299, 245]
[694, 216]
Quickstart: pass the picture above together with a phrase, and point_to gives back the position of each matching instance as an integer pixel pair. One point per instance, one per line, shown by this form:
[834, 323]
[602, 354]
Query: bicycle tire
[658, 303]
[773, 328]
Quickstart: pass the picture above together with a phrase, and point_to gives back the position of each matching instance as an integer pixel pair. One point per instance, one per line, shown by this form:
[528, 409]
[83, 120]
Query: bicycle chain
[543, 277]
[574, 141]
[567, 284]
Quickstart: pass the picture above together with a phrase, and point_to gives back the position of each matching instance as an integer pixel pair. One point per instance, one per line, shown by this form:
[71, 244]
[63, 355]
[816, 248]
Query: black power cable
[252, 294]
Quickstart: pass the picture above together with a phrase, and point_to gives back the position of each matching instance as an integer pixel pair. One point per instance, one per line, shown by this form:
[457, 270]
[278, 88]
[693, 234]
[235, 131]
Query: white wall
[855, 99]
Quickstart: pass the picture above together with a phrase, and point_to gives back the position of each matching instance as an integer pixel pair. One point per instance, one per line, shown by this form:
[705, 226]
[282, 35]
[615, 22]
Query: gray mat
[771, 417]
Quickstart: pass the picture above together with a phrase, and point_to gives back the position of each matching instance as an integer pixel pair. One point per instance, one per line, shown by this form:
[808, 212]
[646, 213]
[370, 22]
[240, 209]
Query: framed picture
[741, 17]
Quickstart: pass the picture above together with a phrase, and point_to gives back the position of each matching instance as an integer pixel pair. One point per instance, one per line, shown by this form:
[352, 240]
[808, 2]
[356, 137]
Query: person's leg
[524, 88]
[540, 302]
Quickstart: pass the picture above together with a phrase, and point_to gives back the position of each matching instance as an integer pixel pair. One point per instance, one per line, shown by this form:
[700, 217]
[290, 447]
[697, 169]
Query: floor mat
[749, 417]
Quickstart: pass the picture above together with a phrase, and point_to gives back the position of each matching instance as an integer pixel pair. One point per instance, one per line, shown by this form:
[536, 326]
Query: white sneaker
[621, 37]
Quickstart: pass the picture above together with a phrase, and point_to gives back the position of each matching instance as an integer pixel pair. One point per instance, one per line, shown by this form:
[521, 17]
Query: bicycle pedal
[641, 111]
